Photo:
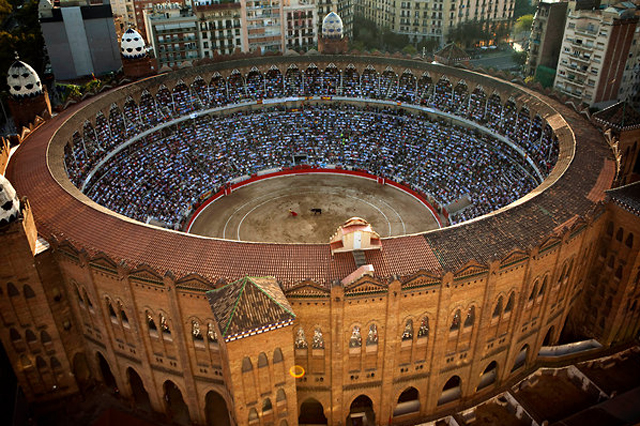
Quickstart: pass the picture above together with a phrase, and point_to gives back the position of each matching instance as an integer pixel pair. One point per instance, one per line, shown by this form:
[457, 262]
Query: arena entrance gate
[361, 412]
[311, 413]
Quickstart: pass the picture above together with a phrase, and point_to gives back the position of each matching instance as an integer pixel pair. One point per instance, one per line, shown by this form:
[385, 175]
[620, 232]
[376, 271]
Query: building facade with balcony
[545, 41]
[220, 27]
[173, 34]
[263, 25]
[595, 51]
[300, 17]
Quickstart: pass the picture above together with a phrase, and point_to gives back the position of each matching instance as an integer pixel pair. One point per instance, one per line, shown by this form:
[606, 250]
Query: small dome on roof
[9, 203]
[23, 81]
[332, 26]
[132, 45]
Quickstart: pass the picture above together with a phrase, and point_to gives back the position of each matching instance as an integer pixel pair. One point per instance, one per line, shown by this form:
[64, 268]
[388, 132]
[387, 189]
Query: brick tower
[37, 325]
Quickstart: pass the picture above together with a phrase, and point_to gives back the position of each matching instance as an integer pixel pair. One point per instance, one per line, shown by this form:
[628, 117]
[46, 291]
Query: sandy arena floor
[260, 211]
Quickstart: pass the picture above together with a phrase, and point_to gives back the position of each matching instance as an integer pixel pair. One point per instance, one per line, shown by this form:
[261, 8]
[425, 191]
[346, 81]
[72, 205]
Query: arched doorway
[451, 390]
[177, 410]
[408, 402]
[361, 412]
[521, 359]
[488, 376]
[548, 337]
[311, 413]
[105, 370]
[138, 392]
[81, 372]
[216, 410]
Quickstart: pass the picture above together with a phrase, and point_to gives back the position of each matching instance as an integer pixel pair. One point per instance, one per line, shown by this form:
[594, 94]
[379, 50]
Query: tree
[523, 7]
[524, 23]
[410, 49]
[25, 38]
[5, 9]
[520, 58]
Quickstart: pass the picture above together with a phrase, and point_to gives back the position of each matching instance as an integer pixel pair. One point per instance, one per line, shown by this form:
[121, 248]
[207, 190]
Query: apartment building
[301, 29]
[220, 27]
[173, 32]
[423, 19]
[545, 41]
[595, 51]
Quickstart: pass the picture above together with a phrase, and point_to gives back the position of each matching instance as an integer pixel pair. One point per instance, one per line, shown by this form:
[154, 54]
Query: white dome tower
[132, 45]
[29, 100]
[332, 27]
[9, 203]
[23, 81]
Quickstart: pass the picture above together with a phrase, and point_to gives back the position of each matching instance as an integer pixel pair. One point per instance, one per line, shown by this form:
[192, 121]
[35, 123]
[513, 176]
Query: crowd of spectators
[162, 175]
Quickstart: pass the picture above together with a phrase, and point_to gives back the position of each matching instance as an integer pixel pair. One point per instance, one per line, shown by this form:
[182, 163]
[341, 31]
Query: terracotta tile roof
[251, 305]
[62, 214]
[628, 197]
[620, 116]
[452, 53]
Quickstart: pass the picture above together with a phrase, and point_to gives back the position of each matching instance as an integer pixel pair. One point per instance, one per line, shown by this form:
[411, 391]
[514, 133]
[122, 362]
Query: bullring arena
[417, 311]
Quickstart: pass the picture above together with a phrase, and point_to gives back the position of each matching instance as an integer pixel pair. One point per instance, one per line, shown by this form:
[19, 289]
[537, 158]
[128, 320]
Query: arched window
[510, 303]
[40, 364]
[618, 274]
[619, 234]
[123, 315]
[253, 416]
[195, 331]
[451, 390]
[57, 296]
[30, 336]
[280, 396]
[112, 313]
[246, 365]
[301, 340]
[534, 291]
[79, 296]
[423, 331]
[266, 406]
[164, 324]
[55, 364]
[151, 323]
[262, 360]
[277, 356]
[372, 336]
[455, 322]
[471, 317]
[318, 340]
[407, 334]
[497, 311]
[629, 241]
[610, 229]
[12, 290]
[211, 333]
[488, 375]
[14, 335]
[408, 402]
[44, 337]
[543, 287]
[87, 298]
[611, 262]
[28, 292]
[356, 339]
[25, 361]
